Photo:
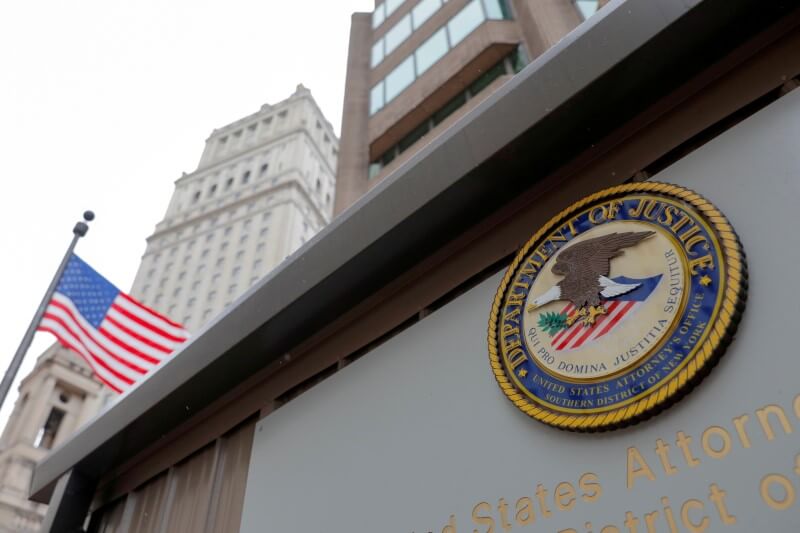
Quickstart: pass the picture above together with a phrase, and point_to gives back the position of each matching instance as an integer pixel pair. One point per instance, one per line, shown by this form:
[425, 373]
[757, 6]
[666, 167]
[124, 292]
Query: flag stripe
[128, 330]
[617, 318]
[66, 339]
[159, 321]
[70, 326]
[102, 342]
[120, 313]
[593, 329]
[574, 330]
[84, 332]
[566, 311]
[124, 348]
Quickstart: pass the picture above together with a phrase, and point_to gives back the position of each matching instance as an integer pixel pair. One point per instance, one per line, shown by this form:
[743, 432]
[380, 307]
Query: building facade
[56, 398]
[264, 185]
[416, 66]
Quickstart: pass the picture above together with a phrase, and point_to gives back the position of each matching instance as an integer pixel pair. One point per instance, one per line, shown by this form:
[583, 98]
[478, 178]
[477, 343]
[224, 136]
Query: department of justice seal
[617, 307]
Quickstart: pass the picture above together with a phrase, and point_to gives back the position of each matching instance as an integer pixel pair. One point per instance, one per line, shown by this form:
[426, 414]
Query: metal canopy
[629, 55]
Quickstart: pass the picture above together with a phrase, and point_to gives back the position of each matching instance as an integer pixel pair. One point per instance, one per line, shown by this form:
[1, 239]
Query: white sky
[103, 104]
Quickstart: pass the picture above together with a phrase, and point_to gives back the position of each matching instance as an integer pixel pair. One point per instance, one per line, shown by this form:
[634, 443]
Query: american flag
[121, 339]
[618, 309]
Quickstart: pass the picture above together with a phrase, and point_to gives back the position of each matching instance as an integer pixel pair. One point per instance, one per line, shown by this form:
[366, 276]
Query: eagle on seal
[585, 267]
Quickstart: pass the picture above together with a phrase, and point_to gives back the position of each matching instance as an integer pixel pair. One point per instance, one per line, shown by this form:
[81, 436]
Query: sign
[617, 307]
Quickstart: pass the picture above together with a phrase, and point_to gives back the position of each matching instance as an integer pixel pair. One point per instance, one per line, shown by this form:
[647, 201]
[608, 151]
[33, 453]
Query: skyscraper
[415, 66]
[264, 185]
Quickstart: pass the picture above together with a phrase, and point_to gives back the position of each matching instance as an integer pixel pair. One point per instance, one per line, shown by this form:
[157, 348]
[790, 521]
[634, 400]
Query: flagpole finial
[81, 228]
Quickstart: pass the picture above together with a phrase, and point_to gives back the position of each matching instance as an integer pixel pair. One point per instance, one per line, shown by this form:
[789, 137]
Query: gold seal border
[698, 364]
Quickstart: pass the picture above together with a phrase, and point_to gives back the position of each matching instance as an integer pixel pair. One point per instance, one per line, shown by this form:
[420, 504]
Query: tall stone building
[416, 66]
[264, 185]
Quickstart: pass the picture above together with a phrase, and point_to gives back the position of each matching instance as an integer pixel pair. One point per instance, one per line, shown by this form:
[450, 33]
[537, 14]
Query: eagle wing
[593, 256]
[589, 261]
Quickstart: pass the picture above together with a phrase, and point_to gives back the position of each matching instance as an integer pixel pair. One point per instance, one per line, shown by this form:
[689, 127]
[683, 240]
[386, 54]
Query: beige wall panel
[231, 480]
[191, 486]
[149, 502]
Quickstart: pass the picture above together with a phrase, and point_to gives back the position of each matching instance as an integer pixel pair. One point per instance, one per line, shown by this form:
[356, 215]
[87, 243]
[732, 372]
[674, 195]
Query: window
[264, 168]
[228, 231]
[400, 78]
[319, 184]
[206, 314]
[196, 197]
[392, 5]
[214, 279]
[177, 292]
[212, 190]
[239, 255]
[232, 289]
[47, 434]
[181, 275]
[379, 15]
[263, 232]
[465, 22]
[587, 7]
[243, 239]
[375, 100]
[424, 10]
[210, 236]
[246, 176]
[377, 53]
[431, 51]
[228, 183]
[223, 246]
[195, 285]
[212, 295]
[204, 253]
[267, 121]
[235, 272]
[171, 310]
[397, 34]
[266, 215]
[220, 261]
[260, 247]
[257, 265]
[283, 114]
[497, 9]
[190, 302]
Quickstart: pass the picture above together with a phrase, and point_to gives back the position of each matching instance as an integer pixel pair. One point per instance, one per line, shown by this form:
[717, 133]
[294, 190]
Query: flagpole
[78, 231]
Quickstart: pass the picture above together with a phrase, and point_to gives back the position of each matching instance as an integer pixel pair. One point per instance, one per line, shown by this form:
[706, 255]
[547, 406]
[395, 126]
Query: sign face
[617, 307]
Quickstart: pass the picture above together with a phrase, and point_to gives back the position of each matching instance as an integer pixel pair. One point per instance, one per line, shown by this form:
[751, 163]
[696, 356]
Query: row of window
[509, 65]
[383, 11]
[229, 182]
[251, 129]
[447, 37]
[403, 28]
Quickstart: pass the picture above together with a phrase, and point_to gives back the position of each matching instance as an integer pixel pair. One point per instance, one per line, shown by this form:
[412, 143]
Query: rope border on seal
[704, 357]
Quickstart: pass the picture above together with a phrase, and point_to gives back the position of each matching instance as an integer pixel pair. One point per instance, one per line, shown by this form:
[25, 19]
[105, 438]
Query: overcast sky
[104, 103]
